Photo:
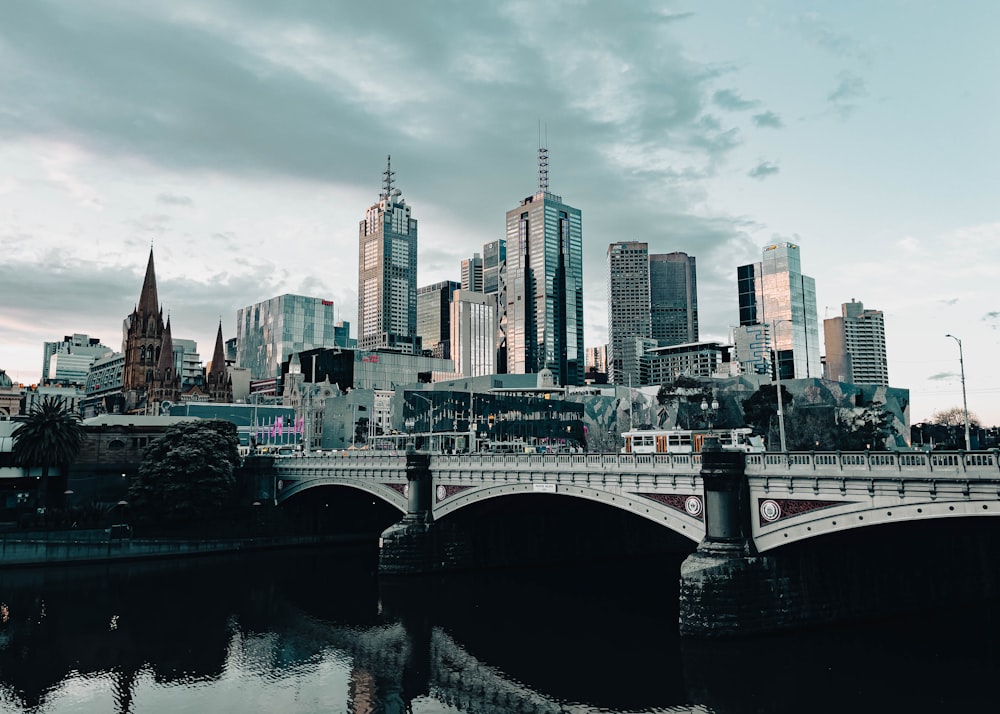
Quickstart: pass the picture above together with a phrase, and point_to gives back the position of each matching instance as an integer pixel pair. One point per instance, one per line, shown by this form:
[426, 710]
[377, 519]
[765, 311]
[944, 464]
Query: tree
[761, 408]
[51, 436]
[188, 474]
[954, 416]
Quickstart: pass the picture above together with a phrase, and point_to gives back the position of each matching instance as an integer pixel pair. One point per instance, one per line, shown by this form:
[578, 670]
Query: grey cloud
[768, 119]
[850, 87]
[822, 34]
[763, 170]
[941, 376]
[730, 99]
[175, 200]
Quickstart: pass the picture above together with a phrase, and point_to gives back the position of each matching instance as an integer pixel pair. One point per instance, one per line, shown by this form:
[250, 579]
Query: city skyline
[245, 150]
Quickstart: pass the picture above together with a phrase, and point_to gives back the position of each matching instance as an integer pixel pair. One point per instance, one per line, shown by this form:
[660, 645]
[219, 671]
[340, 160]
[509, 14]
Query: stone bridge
[791, 496]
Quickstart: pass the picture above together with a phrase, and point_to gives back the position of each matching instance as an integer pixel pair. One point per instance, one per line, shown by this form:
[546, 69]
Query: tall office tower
[494, 280]
[628, 308]
[543, 310]
[673, 298]
[73, 357]
[472, 273]
[434, 317]
[494, 257]
[387, 273]
[269, 332]
[855, 345]
[473, 327]
[775, 292]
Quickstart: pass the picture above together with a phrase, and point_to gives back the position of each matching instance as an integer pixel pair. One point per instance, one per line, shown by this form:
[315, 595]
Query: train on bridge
[688, 441]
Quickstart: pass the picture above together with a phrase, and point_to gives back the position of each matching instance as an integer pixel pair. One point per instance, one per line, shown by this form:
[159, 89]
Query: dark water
[316, 631]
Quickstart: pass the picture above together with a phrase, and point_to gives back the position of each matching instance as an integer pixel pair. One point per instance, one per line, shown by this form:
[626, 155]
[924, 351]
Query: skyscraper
[434, 317]
[628, 308]
[387, 273]
[543, 310]
[472, 273]
[673, 298]
[473, 315]
[855, 345]
[269, 332]
[774, 292]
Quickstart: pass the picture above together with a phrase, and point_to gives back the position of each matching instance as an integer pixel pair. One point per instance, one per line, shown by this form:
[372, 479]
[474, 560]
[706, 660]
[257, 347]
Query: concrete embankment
[54, 550]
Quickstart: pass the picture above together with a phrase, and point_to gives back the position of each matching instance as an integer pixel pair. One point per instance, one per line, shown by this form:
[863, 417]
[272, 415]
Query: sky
[244, 139]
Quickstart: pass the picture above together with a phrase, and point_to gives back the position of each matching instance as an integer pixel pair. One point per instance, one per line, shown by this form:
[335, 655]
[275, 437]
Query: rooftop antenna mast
[387, 178]
[543, 160]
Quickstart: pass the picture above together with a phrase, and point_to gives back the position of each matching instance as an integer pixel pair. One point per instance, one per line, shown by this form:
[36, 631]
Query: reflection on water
[315, 630]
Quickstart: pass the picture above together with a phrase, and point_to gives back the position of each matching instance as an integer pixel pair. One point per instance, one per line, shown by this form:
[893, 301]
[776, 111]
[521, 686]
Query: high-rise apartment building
[543, 301]
[628, 308]
[855, 345]
[472, 273]
[473, 327]
[774, 292]
[434, 317]
[673, 298]
[268, 332]
[387, 273]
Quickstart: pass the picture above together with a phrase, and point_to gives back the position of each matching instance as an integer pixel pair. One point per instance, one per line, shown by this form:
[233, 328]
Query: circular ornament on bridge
[442, 493]
[406, 490]
[693, 506]
[281, 484]
[770, 511]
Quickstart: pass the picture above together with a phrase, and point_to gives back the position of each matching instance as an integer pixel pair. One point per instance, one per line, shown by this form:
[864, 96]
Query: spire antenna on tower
[387, 178]
[543, 161]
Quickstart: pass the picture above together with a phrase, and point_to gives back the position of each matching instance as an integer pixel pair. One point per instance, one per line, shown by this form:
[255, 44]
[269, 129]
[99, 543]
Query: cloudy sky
[244, 139]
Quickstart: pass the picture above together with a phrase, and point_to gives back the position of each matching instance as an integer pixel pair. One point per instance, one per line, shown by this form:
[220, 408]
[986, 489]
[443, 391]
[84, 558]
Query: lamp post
[710, 410]
[777, 382]
[430, 428]
[965, 404]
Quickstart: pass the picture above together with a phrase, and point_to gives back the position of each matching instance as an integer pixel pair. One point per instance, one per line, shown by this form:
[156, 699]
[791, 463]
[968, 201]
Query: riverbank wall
[105, 546]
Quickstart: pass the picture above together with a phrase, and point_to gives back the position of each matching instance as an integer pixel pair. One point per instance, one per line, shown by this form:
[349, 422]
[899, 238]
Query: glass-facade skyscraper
[774, 292]
[543, 309]
[673, 298]
[387, 273]
[269, 332]
[434, 317]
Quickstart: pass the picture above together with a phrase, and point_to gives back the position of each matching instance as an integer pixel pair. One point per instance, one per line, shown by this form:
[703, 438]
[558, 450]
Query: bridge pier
[728, 589]
[417, 545]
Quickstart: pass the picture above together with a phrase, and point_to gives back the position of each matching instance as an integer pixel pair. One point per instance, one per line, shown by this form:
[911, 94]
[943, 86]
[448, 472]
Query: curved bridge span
[791, 497]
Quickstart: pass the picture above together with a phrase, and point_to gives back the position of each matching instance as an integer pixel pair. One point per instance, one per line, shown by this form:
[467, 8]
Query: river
[316, 631]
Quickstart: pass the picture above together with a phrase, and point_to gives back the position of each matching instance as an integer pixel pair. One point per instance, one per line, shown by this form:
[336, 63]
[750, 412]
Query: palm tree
[50, 436]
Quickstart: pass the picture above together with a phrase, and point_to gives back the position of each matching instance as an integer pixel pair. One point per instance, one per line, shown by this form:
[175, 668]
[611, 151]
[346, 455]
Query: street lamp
[709, 410]
[430, 429]
[777, 382]
[965, 404]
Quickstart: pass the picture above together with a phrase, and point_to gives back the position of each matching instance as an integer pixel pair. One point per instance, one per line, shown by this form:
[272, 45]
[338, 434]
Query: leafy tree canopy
[760, 409]
[188, 474]
[51, 436]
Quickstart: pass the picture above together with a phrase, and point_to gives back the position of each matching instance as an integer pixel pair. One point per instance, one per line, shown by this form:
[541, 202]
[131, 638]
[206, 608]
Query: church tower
[143, 345]
[218, 381]
[165, 384]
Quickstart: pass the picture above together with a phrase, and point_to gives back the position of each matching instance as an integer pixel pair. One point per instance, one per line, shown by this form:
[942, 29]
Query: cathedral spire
[165, 367]
[219, 356]
[149, 303]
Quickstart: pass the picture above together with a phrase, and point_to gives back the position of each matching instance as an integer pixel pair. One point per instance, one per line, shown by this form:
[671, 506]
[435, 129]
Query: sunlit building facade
[269, 332]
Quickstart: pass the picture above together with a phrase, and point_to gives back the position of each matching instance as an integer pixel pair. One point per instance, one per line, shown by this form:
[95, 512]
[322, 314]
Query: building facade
[628, 308]
[472, 274]
[673, 298]
[269, 332]
[387, 274]
[664, 364]
[774, 292]
[543, 302]
[434, 317]
[855, 346]
[72, 358]
[473, 328]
